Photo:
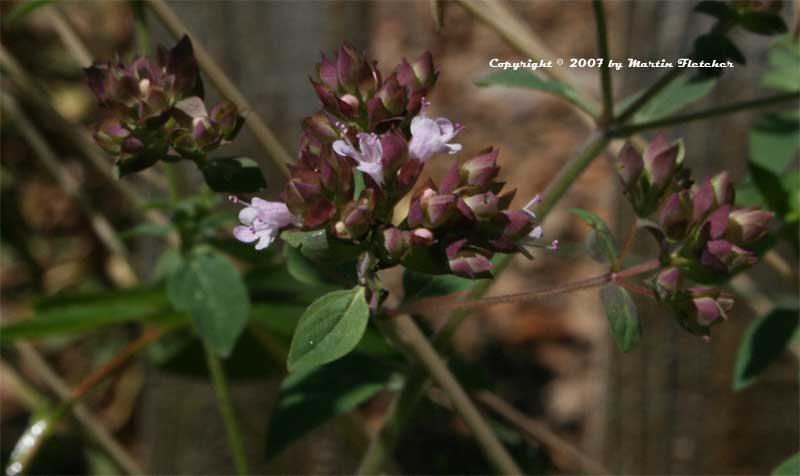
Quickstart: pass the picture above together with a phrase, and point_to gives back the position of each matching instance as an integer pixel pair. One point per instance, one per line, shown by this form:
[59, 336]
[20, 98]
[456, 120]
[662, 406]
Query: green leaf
[622, 316]
[210, 289]
[307, 271]
[358, 184]
[233, 175]
[146, 229]
[763, 342]
[763, 22]
[606, 246]
[775, 140]
[319, 246]
[717, 9]
[23, 9]
[421, 285]
[524, 78]
[330, 328]
[784, 56]
[790, 467]
[310, 397]
[678, 95]
[75, 314]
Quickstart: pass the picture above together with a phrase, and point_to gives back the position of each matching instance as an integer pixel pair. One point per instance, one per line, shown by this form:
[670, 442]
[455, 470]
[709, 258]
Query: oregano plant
[300, 270]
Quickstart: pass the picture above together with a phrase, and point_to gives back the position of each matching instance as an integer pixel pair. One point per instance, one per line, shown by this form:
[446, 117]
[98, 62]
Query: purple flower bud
[437, 208]
[321, 127]
[629, 165]
[327, 73]
[480, 171]
[376, 113]
[484, 205]
[668, 283]
[408, 174]
[357, 217]
[467, 263]
[709, 304]
[702, 200]
[518, 224]
[406, 76]
[422, 237]
[747, 225]
[726, 258]
[348, 63]
[369, 79]
[675, 216]
[395, 151]
[661, 160]
[132, 145]
[109, 135]
[707, 310]
[717, 222]
[326, 97]
[724, 192]
[349, 105]
[396, 242]
[391, 96]
[424, 70]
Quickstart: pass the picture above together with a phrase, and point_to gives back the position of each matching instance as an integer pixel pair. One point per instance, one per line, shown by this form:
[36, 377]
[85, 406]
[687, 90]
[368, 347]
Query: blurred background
[668, 407]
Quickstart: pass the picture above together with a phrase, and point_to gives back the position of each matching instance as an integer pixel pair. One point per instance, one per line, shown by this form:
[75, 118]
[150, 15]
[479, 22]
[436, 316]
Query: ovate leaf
[764, 341]
[604, 244]
[233, 175]
[790, 467]
[308, 398]
[523, 78]
[210, 289]
[330, 328]
[623, 318]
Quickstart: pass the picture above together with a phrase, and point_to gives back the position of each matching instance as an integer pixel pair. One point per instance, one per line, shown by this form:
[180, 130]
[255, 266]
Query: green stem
[605, 70]
[625, 131]
[227, 411]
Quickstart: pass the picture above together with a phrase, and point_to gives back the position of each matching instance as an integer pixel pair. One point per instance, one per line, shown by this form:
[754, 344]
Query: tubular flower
[262, 220]
[369, 154]
[432, 136]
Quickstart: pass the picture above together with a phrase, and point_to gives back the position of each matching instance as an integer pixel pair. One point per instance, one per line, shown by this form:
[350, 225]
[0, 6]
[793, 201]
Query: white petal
[536, 232]
[371, 149]
[266, 237]
[244, 233]
[425, 128]
[248, 214]
[373, 170]
[344, 149]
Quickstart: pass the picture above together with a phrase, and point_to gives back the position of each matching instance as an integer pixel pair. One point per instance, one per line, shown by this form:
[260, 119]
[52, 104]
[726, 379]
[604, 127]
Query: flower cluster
[365, 151]
[155, 110]
[704, 238]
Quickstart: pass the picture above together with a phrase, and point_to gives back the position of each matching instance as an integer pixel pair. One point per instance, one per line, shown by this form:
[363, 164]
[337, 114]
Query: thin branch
[404, 330]
[96, 429]
[447, 304]
[101, 226]
[605, 70]
[275, 151]
[539, 432]
[705, 114]
[227, 411]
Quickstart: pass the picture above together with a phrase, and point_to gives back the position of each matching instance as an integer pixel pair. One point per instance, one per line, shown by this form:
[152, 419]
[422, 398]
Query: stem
[227, 411]
[254, 122]
[539, 431]
[605, 70]
[446, 303]
[656, 88]
[711, 112]
[404, 330]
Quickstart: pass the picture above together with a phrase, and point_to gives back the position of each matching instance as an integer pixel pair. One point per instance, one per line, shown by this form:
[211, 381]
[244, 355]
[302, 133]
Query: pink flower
[262, 221]
[369, 156]
[432, 136]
